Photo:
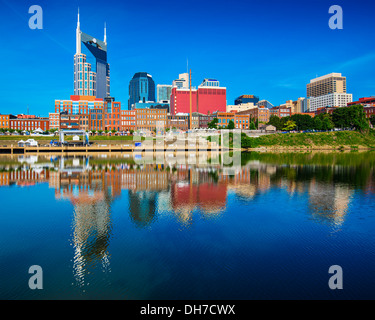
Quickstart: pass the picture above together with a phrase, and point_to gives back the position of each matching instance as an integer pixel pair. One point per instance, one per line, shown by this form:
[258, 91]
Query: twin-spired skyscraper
[91, 77]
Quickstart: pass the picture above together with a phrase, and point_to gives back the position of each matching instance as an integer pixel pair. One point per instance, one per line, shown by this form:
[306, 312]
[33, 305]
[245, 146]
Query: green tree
[256, 123]
[372, 120]
[318, 124]
[252, 126]
[340, 118]
[327, 123]
[276, 122]
[303, 121]
[352, 117]
[230, 125]
[289, 125]
[359, 120]
[213, 124]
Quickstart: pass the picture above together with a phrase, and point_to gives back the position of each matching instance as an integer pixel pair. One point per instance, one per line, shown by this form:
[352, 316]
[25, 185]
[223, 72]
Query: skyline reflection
[182, 192]
[182, 189]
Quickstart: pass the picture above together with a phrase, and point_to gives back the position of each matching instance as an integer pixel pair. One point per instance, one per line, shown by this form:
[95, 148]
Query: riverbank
[330, 141]
[45, 140]
[288, 142]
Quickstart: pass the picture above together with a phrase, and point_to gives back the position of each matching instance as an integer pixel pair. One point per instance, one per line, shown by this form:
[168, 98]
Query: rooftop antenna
[105, 33]
[78, 35]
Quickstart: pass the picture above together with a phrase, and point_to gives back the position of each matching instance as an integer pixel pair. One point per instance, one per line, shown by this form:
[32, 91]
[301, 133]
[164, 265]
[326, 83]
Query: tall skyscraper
[163, 92]
[328, 91]
[330, 83]
[141, 89]
[91, 79]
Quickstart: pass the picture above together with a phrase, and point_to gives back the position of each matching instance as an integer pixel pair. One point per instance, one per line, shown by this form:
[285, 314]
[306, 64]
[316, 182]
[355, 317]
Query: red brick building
[241, 121]
[69, 121]
[5, 120]
[363, 101]
[128, 120]
[112, 116]
[280, 111]
[29, 124]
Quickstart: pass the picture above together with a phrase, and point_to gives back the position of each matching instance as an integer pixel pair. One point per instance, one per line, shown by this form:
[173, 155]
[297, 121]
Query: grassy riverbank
[319, 140]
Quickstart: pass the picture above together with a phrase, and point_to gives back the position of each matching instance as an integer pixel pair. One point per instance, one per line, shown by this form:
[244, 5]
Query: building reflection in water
[180, 191]
[91, 193]
[142, 206]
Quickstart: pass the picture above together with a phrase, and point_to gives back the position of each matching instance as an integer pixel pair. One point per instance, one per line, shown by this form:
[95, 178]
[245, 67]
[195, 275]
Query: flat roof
[327, 76]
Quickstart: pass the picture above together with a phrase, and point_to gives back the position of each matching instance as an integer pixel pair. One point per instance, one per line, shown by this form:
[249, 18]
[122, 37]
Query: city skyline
[274, 70]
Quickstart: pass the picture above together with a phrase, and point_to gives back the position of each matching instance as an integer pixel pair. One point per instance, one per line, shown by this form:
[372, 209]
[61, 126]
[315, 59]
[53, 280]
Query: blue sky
[268, 48]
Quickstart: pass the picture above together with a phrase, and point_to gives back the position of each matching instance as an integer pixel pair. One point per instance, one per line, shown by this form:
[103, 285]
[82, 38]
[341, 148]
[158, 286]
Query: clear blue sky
[268, 48]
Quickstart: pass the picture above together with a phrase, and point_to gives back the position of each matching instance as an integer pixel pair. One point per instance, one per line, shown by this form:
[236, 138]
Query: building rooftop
[331, 75]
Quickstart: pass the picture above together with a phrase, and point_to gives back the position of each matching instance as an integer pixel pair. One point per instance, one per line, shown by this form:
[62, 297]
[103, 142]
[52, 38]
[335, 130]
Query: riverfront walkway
[111, 148]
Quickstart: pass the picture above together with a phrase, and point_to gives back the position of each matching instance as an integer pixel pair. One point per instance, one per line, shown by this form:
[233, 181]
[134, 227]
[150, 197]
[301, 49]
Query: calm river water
[114, 228]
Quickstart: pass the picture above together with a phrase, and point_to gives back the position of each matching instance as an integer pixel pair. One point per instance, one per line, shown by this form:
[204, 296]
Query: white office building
[330, 100]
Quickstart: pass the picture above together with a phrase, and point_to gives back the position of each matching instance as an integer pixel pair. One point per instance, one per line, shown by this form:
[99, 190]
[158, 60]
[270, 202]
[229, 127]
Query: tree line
[346, 118]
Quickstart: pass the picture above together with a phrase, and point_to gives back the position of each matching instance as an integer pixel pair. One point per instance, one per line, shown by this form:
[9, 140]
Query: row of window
[147, 122]
[22, 123]
[141, 116]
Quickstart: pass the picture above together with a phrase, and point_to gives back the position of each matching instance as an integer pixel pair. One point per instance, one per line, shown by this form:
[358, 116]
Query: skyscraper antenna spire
[105, 33]
[78, 35]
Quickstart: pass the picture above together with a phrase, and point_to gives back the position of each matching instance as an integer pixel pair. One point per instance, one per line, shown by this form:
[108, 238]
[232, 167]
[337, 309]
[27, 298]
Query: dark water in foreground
[106, 228]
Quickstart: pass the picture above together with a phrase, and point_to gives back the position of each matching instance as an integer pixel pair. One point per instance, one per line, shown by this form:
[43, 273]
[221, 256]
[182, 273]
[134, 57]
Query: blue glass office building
[247, 98]
[141, 88]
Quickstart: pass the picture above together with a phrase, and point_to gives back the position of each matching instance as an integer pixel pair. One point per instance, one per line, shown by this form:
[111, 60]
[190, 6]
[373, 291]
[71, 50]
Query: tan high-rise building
[330, 83]
[295, 106]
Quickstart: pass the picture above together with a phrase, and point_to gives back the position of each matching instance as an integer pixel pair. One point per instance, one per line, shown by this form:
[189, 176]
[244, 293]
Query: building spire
[78, 35]
[105, 33]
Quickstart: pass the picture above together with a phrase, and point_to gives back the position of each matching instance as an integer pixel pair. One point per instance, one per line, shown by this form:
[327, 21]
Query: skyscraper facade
[328, 91]
[163, 92]
[330, 83]
[91, 79]
[183, 81]
[265, 104]
[141, 89]
[246, 98]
